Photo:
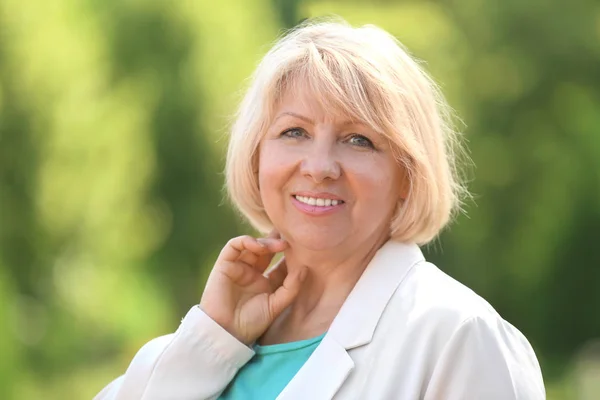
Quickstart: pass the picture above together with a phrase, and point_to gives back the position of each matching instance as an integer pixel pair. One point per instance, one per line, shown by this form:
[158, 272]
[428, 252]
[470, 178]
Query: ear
[405, 184]
[405, 190]
[404, 163]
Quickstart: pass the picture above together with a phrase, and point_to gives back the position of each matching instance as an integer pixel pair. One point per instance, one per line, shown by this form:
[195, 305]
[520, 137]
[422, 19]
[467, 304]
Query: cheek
[377, 186]
[273, 169]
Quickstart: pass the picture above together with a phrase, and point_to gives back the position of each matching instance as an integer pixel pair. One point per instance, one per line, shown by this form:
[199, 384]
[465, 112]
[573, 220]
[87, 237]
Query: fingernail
[262, 242]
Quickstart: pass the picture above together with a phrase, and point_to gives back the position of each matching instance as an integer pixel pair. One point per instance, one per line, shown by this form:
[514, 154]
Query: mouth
[318, 201]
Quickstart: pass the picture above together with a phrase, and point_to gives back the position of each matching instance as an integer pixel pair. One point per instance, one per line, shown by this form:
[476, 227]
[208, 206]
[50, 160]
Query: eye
[294, 133]
[360, 141]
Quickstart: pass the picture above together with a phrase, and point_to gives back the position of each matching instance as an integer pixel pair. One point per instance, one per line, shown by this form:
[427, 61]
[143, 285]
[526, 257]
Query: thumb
[286, 293]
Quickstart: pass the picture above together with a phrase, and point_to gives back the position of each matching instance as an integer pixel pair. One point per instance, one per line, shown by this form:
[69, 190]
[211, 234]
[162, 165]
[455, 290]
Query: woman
[342, 148]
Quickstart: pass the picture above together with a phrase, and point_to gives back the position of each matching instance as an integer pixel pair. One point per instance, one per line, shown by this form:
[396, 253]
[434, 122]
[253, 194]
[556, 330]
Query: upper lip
[318, 195]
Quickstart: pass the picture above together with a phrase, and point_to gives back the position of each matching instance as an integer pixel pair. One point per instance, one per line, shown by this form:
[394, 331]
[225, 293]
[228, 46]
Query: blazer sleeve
[486, 359]
[196, 362]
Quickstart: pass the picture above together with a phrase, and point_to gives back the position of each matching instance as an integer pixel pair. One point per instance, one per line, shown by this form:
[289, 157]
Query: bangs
[339, 85]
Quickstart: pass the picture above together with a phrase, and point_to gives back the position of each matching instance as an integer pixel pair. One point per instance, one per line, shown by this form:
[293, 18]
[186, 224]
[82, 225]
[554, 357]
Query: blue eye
[293, 133]
[360, 141]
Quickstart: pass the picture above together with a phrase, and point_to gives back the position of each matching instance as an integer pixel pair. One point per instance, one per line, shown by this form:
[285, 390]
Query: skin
[307, 150]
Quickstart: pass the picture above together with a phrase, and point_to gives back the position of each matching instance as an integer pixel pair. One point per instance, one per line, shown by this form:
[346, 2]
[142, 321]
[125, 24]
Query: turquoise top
[270, 370]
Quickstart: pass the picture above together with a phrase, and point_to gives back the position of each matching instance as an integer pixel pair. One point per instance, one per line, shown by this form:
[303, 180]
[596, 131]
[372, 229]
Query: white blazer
[406, 331]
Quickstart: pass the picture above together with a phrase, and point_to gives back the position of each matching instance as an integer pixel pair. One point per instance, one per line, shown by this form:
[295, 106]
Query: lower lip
[315, 210]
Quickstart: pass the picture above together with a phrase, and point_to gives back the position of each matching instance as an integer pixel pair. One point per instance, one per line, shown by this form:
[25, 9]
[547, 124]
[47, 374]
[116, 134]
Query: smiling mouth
[318, 202]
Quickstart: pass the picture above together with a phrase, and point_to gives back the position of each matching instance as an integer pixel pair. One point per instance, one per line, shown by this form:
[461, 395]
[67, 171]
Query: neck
[332, 276]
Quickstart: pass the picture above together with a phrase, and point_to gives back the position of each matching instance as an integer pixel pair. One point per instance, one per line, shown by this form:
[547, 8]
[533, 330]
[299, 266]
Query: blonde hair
[366, 74]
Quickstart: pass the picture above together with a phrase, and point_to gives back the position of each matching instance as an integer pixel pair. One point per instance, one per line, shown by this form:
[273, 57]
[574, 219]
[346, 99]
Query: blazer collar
[328, 367]
[357, 319]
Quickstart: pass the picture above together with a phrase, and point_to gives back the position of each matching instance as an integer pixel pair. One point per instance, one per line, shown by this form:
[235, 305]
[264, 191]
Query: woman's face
[326, 182]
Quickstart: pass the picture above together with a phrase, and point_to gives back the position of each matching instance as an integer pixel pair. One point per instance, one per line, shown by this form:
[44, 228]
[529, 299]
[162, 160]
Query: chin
[314, 241]
[315, 245]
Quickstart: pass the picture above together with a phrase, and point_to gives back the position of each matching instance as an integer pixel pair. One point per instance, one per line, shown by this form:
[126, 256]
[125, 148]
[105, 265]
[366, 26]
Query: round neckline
[285, 347]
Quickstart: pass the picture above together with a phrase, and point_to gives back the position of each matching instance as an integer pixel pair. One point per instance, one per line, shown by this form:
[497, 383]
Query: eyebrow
[293, 114]
[308, 120]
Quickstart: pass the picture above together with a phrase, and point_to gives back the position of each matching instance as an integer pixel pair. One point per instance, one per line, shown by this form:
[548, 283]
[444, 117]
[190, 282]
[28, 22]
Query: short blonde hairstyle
[366, 74]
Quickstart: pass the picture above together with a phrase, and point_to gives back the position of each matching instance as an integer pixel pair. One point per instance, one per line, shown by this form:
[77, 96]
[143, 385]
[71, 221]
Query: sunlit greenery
[113, 122]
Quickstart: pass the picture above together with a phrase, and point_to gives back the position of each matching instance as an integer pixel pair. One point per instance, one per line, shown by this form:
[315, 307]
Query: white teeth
[312, 201]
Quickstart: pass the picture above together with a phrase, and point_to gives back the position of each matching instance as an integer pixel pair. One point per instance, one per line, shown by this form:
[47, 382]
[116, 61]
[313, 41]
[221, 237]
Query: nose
[320, 163]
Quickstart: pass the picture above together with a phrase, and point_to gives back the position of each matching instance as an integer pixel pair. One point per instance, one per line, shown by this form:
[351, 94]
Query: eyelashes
[354, 139]
[294, 133]
[361, 141]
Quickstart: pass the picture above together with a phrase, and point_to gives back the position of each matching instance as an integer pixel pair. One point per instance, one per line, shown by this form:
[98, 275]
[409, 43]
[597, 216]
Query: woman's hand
[239, 297]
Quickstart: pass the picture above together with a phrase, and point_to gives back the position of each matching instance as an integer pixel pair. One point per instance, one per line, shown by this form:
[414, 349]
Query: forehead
[302, 101]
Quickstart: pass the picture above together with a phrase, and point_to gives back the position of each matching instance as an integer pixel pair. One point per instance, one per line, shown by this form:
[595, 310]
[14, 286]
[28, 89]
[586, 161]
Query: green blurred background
[113, 123]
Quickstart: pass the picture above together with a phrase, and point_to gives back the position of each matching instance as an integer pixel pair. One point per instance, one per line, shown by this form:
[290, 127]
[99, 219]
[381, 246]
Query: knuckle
[246, 240]
[238, 241]
[235, 239]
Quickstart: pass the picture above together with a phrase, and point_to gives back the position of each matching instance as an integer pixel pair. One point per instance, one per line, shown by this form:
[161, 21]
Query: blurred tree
[150, 44]
[20, 265]
[288, 12]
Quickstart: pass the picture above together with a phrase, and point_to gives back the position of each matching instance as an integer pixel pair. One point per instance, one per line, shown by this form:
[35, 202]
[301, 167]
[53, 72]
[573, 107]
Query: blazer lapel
[322, 374]
[328, 367]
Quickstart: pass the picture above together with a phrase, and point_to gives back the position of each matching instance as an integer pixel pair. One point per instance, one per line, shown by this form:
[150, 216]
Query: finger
[234, 271]
[274, 234]
[235, 247]
[277, 274]
[249, 258]
[260, 262]
[286, 293]
[275, 246]
[239, 273]
[264, 260]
